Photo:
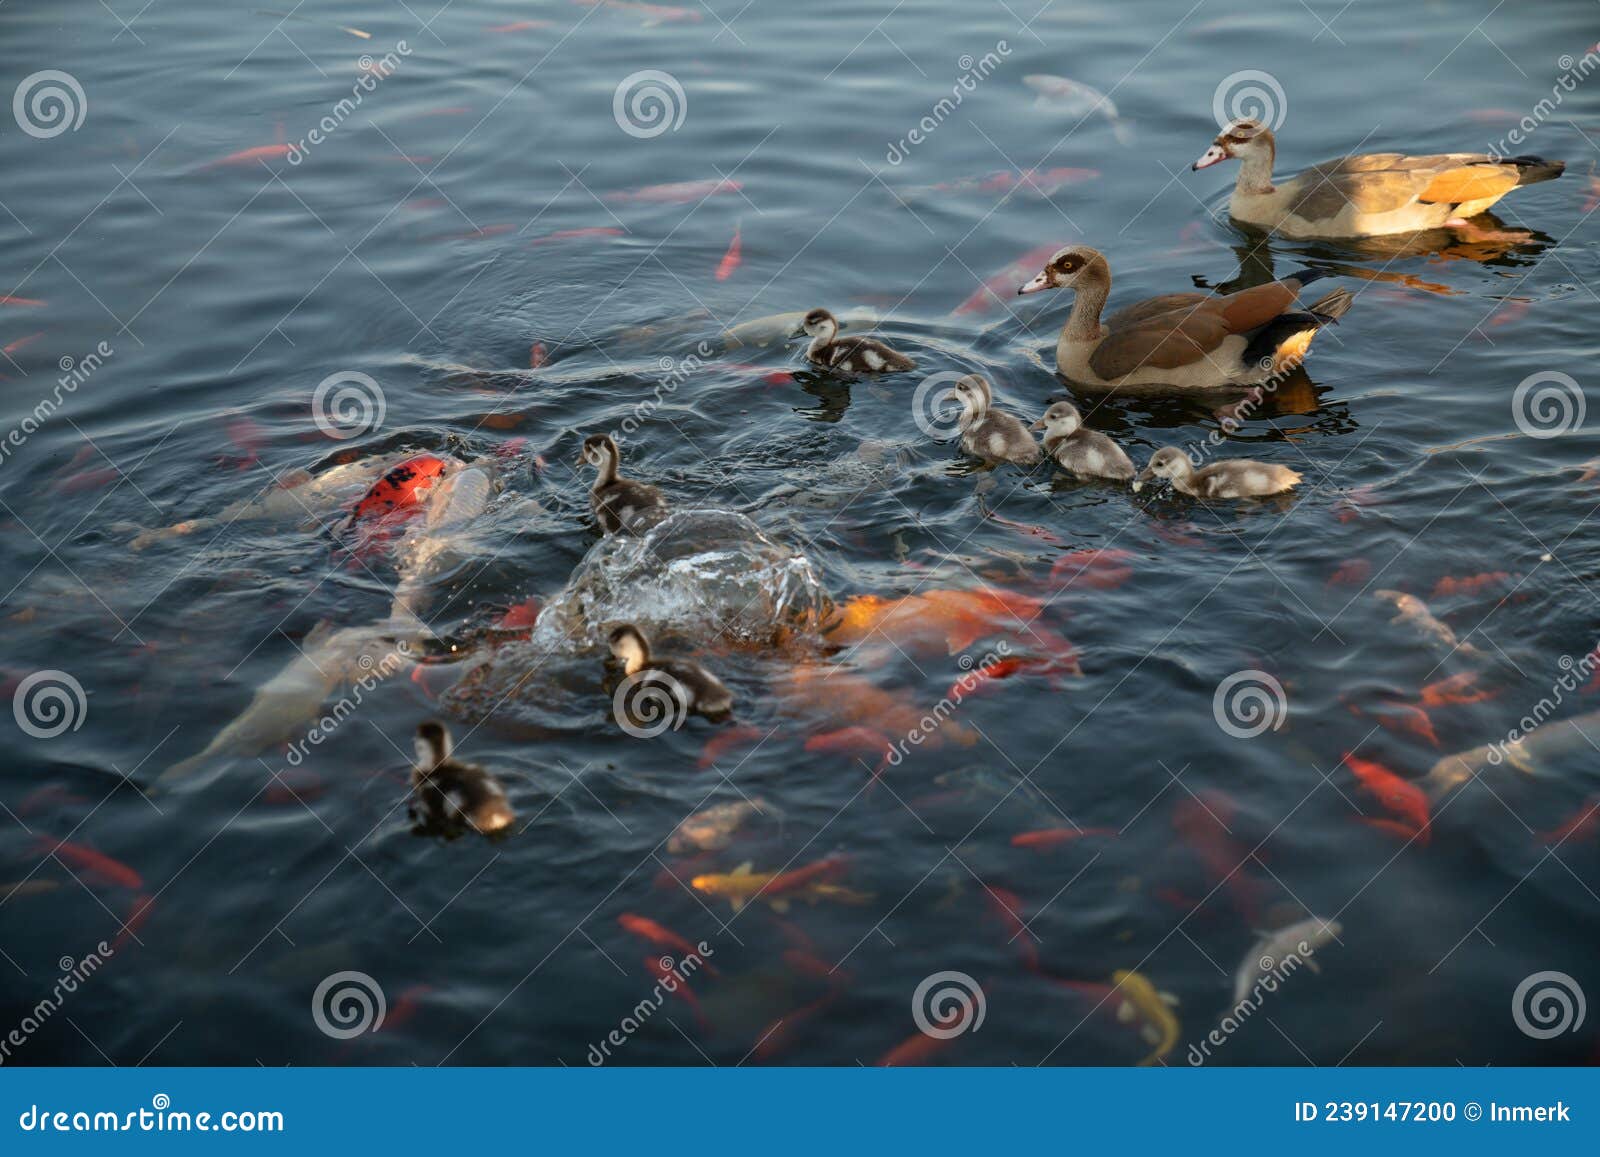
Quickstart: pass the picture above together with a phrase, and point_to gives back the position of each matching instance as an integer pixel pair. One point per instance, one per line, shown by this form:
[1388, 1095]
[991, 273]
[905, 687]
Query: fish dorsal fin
[743, 869]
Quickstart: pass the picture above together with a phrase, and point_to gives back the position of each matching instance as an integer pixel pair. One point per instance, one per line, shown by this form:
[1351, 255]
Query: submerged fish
[1002, 287]
[1074, 98]
[1402, 797]
[675, 193]
[712, 829]
[1415, 614]
[1140, 1002]
[1296, 942]
[742, 885]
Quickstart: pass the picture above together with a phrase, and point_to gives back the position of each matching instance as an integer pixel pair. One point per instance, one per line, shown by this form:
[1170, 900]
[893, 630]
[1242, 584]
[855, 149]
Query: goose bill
[1208, 158]
[1034, 286]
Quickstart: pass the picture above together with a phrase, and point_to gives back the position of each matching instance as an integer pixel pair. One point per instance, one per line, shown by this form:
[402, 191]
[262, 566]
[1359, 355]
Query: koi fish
[675, 193]
[1002, 287]
[725, 741]
[408, 484]
[245, 156]
[828, 868]
[48, 797]
[1201, 822]
[1399, 718]
[1273, 948]
[1141, 1002]
[139, 910]
[1415, 614]
[733, 258]
[1455, 690]
[712, 829]
[537, 355]
[853, 741]
[1074, 98]
[1047, 838]
[1592, 201]
[573, 234]
[652, 13]
[1097, 569]
[1449, 587]
[978, 680]
[8, 299]
[21, 343]
[662, 937]
[675, 983]
[959, 618]
[917, 1049]
[1006, 906]
[1351, 572]
[521, 26]
[479, 234]
[1400, 796]
[742, 885]
[92, 862]
[1580, 825]
[849, 699]
[778, 1035]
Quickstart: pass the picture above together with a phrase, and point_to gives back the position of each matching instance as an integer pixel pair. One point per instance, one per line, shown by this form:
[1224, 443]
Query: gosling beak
[1034, 286]
[1037, 426]
[1208, 158]
[1141, 478]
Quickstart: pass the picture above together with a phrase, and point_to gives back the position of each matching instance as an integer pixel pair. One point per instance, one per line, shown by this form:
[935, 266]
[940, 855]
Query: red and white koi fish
[676, 193]
[406, 485]
[732, 259]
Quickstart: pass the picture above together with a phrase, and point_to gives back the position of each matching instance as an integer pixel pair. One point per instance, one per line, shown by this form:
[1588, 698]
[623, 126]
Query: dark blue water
[425, 241]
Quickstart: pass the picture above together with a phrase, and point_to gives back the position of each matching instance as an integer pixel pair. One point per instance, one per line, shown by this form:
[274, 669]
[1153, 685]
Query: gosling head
[1061, 420]
[1168, 462]
[630, 647]
[974, 394]
[820, 323]
[600, 451]
[1070, 268]
[433, 744]
[1242, 138]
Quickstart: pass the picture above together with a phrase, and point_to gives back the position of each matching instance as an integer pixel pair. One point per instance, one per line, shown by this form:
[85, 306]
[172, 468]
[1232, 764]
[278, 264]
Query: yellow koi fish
[742, 885]
[1140, 1000]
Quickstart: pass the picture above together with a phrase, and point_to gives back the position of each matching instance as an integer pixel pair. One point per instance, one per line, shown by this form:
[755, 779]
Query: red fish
[521, 26]
[1455, 690]
[537, 355]
[1592, 201]
[87, 480]
[523, 614]
[406, 1006]
[245, 156]
[858, 741]
[7, 299]
[1399, 718]
[570, 234]
[725, 741]
[93, 863]
[1581, 825]
[138, 912]
[1030, 529]
[653, 13]
[22, 343]
[1007, 906]
[1510, 310]
[823, 871]
[1047, 838]
[662, 937]
[1201, 824]
[1101, 570]
[1351, 572]
[978, 680]
[1470, 585]
[732, 259]
[405, 485]
[680, 988]
[1002, 287]
[917, 1049]
[676, 193]
[48, 797]
[1400, 796]
[778, 1035]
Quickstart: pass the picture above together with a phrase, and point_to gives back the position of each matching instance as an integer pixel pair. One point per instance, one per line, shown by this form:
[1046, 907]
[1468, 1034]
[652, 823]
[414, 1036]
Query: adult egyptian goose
[1186, 341]
[856, 355]
[1235, 478]
[1368, 195]
[991, 434]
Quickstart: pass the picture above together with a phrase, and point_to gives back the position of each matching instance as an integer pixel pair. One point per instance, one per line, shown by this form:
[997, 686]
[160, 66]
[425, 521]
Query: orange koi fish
[22, 343]
[1398, 718]
[1457, 689]
[1101, 570]
[674, 982]
[1400, 796]
[662, 937]
[407, 484]
[863, 741]
[245, 156]
[521, 26]
[1047, 838]
[1351, 572]
[959, 618]
[725, 741]
[93, 863]
[733, 258]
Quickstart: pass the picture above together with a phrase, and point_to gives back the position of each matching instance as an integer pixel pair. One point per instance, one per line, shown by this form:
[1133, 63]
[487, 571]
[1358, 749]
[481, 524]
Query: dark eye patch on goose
[1067, 264]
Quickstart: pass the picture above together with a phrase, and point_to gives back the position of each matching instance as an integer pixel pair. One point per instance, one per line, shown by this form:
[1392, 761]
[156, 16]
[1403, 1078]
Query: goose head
[821, 324]
[974, 394]
[432, 744]
[1061, 420]
[1075, 267]
[630, 647]
[600, 451]
[1243, 140]
[1168, 462]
